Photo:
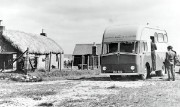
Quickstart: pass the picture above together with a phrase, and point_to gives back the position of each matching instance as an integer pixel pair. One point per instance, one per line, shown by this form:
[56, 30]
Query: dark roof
[84, 49]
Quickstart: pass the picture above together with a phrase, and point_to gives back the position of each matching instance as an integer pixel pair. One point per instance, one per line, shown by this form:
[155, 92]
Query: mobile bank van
[126, 50]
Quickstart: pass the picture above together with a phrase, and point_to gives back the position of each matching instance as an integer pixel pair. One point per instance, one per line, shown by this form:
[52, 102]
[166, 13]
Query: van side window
[113, 47]
[145, 46]
[142, 47]
[165, 38]
[136, 47]
[155, 37]
[160, 37]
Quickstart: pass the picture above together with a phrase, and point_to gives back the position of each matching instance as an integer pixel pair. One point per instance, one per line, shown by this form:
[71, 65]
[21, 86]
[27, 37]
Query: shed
[83, 55]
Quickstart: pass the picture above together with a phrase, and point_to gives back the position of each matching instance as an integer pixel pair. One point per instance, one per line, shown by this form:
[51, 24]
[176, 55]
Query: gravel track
[92, 92]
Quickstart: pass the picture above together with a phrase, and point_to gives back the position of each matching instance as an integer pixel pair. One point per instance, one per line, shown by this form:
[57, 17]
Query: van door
[142, 56]
[144, 60]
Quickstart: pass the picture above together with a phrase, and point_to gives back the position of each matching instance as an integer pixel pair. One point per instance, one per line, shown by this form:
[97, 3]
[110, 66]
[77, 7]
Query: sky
[70, 22]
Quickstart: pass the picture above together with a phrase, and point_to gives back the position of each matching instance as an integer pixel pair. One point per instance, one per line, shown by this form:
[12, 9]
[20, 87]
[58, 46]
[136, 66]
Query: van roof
[124, 32]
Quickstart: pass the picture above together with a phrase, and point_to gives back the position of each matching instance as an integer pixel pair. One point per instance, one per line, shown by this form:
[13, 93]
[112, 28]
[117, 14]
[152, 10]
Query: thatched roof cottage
[44, 52]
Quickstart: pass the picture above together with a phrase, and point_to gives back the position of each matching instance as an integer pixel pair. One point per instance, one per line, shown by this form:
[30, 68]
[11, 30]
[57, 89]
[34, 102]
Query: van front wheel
[144, 75]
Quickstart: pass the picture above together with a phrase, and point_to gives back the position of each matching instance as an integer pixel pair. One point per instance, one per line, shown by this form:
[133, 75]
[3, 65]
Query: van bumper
[108, 74]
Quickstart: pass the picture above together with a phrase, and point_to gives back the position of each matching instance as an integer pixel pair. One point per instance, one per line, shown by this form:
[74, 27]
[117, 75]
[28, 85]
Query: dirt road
[92, 92]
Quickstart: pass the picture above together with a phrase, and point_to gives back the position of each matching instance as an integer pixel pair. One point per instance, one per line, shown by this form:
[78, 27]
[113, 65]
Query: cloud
[83, 21]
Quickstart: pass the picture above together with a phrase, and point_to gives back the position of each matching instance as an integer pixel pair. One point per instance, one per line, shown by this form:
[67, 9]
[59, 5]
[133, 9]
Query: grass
[34, 94]
[4, 75]
[54, 74]
[37, 93]
[64, 74]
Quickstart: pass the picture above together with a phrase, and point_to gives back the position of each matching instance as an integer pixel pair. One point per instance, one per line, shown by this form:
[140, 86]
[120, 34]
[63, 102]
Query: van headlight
[104, 68]
[132, 67]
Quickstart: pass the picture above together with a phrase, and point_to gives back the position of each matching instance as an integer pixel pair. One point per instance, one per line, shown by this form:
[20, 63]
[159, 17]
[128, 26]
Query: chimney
[94, 49]
[43, 34]
[1, 27]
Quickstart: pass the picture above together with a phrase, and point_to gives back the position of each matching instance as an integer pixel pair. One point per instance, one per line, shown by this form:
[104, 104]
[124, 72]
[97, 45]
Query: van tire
[161, 72]
[144, 75]
[147, 72]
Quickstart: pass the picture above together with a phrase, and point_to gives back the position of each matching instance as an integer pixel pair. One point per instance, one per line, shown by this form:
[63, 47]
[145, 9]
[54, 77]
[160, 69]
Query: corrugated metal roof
[84, 49]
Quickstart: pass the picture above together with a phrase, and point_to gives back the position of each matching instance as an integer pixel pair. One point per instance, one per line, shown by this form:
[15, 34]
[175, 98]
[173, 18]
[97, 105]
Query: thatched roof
[36, 43]
[84, 49]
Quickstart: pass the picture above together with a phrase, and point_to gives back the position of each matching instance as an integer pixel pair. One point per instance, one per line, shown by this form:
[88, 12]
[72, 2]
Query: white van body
[120, 62]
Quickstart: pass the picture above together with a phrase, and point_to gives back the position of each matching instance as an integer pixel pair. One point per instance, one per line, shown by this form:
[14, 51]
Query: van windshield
[113, 47]
[123, 46]
[127, 47]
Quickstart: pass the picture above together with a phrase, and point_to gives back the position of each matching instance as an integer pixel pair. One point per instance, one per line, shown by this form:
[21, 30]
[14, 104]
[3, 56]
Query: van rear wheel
[161, 72]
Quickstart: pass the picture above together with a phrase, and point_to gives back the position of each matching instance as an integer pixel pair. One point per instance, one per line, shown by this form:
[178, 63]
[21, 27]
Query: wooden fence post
[93, 62]
[72, 63]
[60, 62]
[50, 62]
[88, 63]
[99, 60]
[26, 62]
[82, 62]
